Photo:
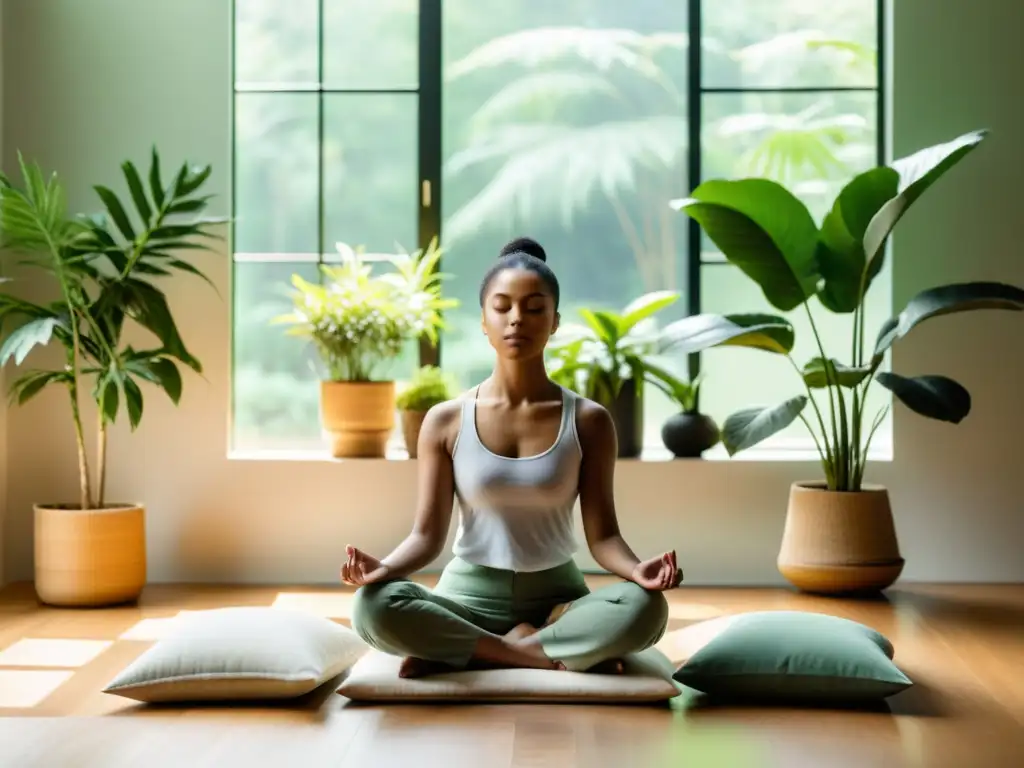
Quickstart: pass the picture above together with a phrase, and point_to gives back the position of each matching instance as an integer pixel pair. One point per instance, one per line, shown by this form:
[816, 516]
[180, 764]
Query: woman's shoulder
[445, 413]
[593, 420]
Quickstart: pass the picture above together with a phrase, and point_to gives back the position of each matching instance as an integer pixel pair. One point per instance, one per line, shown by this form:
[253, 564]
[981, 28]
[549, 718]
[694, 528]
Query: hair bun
[524, 245]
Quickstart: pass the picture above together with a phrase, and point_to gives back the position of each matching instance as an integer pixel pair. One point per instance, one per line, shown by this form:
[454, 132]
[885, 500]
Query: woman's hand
[361, 569]
[659, 572]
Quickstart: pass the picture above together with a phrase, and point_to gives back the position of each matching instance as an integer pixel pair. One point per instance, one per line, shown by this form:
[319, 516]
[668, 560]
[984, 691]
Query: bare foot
[527, 652]
[609, 667]
[413, 667]
[520, 632]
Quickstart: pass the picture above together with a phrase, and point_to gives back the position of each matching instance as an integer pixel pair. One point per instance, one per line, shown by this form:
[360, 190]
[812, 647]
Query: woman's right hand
[361, 569]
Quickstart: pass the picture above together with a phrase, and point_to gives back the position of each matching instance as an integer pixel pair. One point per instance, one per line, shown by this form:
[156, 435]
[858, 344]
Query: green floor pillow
[795, 656]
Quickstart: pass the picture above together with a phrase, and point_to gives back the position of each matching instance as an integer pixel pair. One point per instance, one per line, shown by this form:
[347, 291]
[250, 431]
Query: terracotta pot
[412, 421]
[90, 557]
[688, 435]
[838, 542]
[358, 417]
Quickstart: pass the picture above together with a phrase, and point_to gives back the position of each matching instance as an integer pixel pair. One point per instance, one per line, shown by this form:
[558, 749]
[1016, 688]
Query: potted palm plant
[428, 387]
[839, 535]
[105, 268]
[360, 322]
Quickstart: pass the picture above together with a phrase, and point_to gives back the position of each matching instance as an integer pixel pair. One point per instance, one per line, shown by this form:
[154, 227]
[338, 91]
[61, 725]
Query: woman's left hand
[658, 573]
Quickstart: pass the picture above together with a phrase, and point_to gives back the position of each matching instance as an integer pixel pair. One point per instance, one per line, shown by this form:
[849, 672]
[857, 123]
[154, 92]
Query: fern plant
[105, 266]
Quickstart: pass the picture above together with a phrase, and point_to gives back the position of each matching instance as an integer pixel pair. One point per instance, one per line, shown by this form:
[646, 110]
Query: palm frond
[789, 145]
[554, 171]
[539, 90]
[601, 48]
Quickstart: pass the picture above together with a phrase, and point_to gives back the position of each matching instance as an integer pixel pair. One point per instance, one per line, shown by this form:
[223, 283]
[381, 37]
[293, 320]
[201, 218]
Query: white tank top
[517, 514]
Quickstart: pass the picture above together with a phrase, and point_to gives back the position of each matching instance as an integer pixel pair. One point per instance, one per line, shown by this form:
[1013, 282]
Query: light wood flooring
[962, 645]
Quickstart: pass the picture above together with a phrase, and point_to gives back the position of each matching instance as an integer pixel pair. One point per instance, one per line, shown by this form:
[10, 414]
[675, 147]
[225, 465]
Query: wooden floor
[962, 645]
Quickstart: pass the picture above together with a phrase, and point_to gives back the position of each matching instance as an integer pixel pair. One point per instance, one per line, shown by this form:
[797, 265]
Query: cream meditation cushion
[240, 653]
[647, 678]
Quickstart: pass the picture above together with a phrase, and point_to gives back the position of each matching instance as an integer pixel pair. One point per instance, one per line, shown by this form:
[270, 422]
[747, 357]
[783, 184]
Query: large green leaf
[133, 401]
[32, 383]
[25, 338]
[159, 371]
[841, 254]
[604, 324]
[147, 305]
[945, 300]
[937, 397]
[917, 173]
[644, 307]
[817, 376]
[116, 211]
[764, 230]
[137, 190]
[699, 332]
[745, 429]
[108, 396]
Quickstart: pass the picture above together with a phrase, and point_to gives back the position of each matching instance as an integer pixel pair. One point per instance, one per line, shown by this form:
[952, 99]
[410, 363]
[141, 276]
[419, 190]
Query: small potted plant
[689, 433]
[839, 534]
[610, 357]
[428, 387]
[603, 359]
[104, 267]
[360, 322]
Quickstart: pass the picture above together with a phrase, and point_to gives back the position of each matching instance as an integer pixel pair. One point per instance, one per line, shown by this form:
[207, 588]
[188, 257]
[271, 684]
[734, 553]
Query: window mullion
[429, 124]
[694, 99]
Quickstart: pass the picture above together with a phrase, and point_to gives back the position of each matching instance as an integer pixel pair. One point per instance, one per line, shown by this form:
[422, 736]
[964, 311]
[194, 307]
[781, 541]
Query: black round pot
[688, 435]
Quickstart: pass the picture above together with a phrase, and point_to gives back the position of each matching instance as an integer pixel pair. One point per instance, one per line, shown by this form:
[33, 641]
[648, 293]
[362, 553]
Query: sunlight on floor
[332, 605]
[39, 652]
[679, 645]
[152, 629]
[24, 688]
[693, 611]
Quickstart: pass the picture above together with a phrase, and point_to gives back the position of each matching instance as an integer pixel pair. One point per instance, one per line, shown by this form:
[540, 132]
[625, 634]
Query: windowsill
[797, 452]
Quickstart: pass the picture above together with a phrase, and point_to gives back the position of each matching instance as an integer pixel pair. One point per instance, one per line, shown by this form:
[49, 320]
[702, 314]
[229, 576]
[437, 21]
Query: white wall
[85, 104]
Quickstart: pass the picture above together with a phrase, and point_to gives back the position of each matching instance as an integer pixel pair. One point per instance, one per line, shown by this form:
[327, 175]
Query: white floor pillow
[647, 678]
[240, 653]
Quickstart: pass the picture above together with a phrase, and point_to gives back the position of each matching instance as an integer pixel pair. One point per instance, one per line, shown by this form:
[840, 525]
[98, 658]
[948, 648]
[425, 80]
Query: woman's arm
[597, 490]
[435, 494]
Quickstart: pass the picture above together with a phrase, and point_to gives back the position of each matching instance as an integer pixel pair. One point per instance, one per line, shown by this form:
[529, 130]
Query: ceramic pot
[89, 557]
[412, 422]
[627, 412]
[839, 542]
[358, 417]
[688, 435]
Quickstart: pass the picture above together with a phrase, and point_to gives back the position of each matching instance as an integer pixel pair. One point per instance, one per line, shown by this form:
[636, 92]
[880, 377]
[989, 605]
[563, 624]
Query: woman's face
[519, 314]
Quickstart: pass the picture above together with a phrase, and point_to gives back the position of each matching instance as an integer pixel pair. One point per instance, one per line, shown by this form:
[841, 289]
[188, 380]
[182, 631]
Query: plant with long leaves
[768, 233]
[104, 266]
[596, 358]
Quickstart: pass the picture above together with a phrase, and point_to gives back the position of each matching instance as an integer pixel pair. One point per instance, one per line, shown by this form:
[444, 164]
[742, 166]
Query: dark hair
[522, 253]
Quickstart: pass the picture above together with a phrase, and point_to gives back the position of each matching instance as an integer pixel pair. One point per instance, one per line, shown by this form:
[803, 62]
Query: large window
[385, 123]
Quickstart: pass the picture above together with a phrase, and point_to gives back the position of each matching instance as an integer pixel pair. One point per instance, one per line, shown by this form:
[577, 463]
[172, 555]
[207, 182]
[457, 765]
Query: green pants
[404, 618]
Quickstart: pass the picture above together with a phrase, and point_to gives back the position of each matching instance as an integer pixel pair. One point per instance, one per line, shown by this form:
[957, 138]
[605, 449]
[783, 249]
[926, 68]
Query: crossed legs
[406, 619]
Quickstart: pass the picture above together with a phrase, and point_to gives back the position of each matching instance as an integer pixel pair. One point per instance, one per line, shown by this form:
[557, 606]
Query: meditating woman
[516, 451]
